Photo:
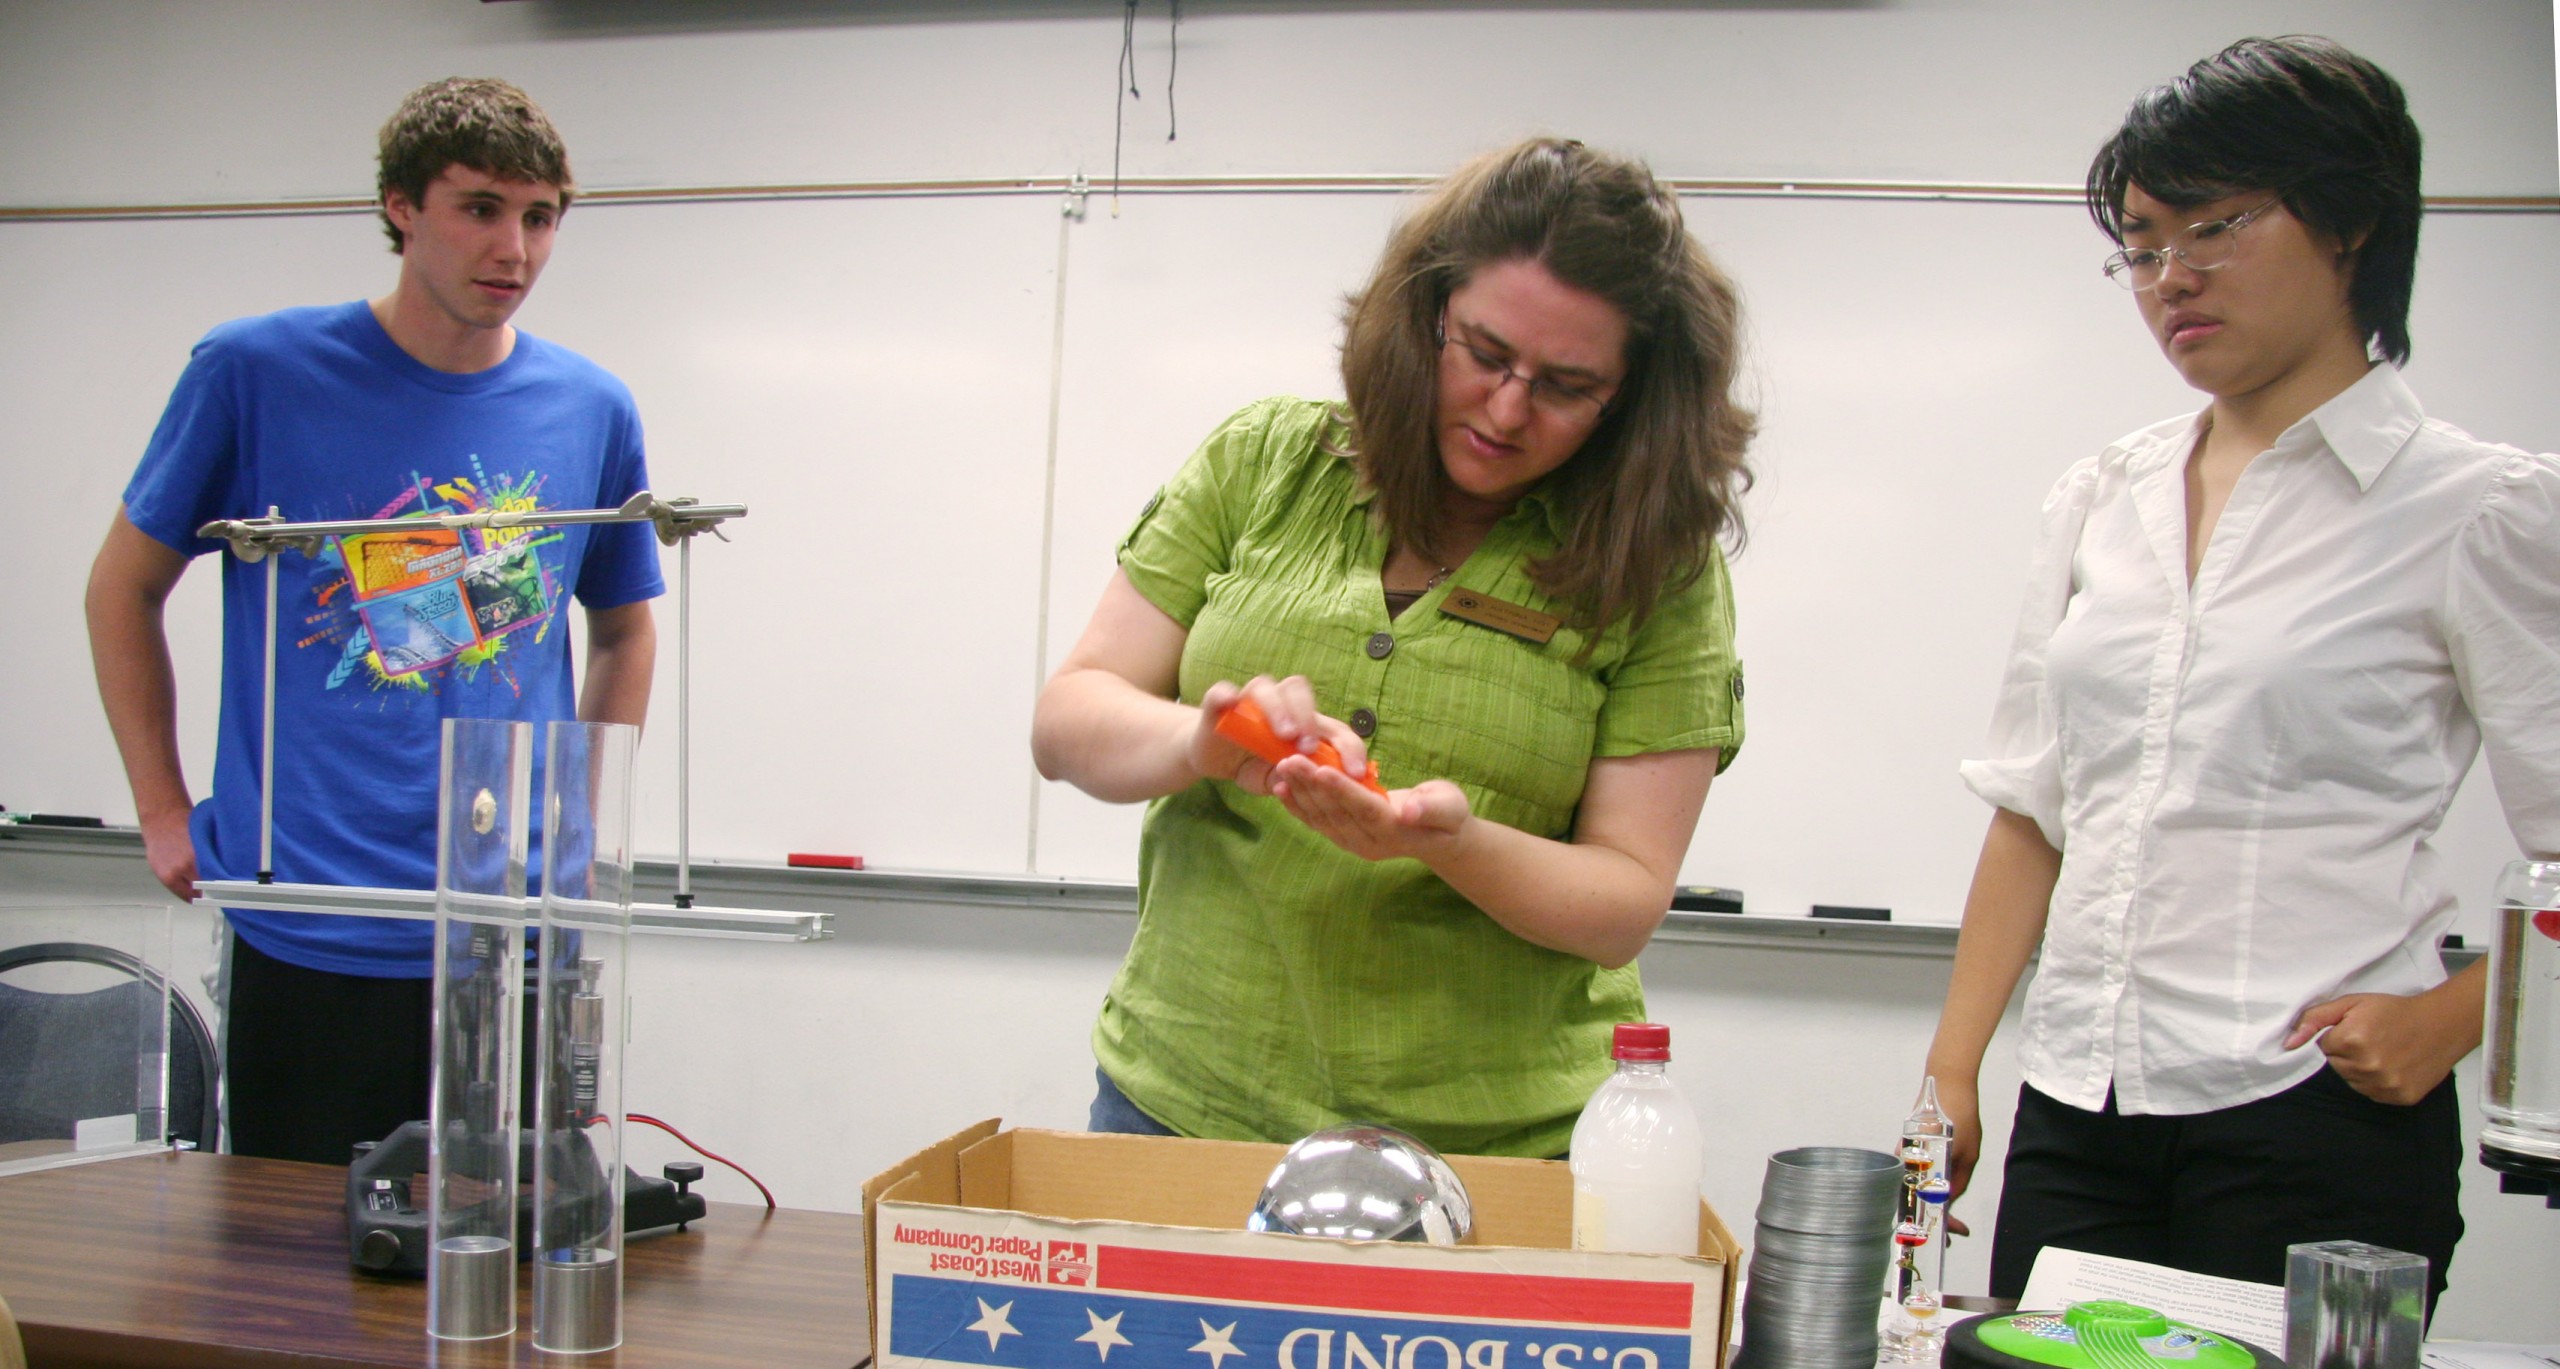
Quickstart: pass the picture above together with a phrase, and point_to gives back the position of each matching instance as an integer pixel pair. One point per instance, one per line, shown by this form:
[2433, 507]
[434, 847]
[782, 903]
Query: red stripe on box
[1421, 1292]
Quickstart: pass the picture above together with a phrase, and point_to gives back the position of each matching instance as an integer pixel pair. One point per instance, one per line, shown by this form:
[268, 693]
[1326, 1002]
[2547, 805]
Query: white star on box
[997, 1322]
[1217, 1343]
[1105, 1332]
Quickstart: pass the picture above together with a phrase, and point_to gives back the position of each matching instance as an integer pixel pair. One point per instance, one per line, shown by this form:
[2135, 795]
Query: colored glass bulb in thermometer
[1245, 725]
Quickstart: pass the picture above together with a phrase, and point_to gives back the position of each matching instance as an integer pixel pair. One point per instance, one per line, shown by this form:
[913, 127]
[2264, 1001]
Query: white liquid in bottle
[1638, 1154]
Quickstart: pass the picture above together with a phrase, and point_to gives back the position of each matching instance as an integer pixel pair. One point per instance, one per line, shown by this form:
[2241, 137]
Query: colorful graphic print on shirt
[407, 607]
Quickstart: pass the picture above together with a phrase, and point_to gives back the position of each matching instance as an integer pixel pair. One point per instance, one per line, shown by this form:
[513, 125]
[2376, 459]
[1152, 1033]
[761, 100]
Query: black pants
[316, 1062]
[2225, 1192]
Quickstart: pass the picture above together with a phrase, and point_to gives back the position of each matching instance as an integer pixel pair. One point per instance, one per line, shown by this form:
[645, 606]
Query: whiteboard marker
[812, 860]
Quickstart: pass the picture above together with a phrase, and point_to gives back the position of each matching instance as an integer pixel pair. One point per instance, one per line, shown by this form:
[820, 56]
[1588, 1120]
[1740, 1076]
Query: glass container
[2520, 1091]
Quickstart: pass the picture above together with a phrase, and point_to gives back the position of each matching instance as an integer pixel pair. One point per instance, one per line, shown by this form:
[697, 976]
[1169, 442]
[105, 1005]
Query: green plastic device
[2098, 1335]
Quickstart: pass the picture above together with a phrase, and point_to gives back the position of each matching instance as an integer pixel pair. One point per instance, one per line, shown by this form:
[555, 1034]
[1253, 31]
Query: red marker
[1246, 727]
[809, 860]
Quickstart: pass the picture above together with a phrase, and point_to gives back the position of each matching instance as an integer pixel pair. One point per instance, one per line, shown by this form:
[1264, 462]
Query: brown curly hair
[1658, 481]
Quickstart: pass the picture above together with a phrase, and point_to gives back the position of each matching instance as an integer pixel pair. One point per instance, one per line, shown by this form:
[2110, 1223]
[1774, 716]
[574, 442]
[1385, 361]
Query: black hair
[2325, 130]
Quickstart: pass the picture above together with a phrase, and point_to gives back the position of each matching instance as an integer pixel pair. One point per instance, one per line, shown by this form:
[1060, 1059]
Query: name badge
[1483, 610]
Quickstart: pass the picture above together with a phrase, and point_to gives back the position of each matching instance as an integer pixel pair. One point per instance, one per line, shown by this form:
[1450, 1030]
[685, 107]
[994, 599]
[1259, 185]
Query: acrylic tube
[584, 954]
[481, 842]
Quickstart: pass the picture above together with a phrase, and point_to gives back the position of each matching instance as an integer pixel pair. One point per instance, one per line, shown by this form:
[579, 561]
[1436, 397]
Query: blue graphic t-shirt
[319, 414]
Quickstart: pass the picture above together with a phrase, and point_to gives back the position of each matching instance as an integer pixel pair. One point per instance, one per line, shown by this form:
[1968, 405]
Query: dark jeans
[1112, 1111]
[2225, 1192]
[315, 1062]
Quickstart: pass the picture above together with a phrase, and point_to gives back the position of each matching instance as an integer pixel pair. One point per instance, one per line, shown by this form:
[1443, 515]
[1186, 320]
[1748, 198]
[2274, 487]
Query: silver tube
[267, 737]
[277, 532]
[684, 724]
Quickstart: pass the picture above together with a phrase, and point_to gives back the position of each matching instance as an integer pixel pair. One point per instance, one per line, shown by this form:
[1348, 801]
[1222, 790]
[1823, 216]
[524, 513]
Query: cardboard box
[1030, 1247]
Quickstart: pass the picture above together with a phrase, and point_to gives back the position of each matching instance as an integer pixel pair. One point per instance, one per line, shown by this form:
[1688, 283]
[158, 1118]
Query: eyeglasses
[2201, 247]
[1549, 396]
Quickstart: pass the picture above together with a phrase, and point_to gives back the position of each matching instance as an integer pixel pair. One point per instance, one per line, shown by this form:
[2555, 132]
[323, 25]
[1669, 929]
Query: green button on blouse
[1278, 984]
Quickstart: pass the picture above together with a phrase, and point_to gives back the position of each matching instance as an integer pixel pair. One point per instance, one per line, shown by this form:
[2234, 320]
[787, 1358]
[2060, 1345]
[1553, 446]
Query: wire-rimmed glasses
[1548, 395]
[2199, 247]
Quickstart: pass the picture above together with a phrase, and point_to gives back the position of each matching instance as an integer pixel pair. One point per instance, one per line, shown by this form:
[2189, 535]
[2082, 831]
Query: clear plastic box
[85, 1034]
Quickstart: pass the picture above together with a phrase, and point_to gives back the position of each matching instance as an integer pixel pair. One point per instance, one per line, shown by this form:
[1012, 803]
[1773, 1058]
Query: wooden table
[218, 1261]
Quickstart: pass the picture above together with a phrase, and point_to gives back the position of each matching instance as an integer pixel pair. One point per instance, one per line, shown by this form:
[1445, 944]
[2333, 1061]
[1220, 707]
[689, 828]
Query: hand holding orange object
[1244, 725]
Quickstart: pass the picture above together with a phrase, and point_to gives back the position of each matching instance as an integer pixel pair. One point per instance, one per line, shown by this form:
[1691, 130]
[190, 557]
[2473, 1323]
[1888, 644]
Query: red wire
[769, 1204]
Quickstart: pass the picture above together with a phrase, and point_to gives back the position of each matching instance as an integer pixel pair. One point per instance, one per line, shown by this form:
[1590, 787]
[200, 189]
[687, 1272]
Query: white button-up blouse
[2242, 775]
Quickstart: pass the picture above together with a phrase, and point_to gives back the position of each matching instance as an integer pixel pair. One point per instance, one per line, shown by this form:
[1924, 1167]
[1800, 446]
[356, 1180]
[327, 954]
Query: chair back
[69, 1056]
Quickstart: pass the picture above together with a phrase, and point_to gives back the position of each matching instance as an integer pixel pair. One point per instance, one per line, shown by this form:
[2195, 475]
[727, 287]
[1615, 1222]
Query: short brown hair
[1658, 481]
[487, 125]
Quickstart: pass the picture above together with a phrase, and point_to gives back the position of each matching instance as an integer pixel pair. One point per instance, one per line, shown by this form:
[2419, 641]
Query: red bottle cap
[1642, 1041]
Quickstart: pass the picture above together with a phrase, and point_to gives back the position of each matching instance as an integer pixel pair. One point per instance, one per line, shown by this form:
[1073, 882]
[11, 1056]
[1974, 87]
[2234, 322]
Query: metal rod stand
[267, 736]
[676, 522]
[684, 722]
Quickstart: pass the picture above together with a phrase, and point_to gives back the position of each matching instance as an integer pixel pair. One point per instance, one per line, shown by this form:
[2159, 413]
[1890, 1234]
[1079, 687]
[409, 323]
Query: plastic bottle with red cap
[1639, 1153]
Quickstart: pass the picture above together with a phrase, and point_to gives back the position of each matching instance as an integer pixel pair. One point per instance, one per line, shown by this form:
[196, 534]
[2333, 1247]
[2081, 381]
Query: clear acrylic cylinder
[586, 931]
[482, 824]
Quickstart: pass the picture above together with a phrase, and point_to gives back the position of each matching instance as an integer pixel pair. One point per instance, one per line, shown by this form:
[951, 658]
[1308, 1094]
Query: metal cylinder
[577, 1303]
[475, 1279]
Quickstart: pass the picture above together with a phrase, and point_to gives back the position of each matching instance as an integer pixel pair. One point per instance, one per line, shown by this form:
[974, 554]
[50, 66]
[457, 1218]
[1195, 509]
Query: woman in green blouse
[1495, 572]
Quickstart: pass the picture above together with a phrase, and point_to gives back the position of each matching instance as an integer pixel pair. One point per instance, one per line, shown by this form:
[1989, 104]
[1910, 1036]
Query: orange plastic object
[1246, 727]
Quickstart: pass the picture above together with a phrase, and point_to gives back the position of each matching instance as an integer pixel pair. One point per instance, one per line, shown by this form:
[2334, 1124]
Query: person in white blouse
[2261, 646]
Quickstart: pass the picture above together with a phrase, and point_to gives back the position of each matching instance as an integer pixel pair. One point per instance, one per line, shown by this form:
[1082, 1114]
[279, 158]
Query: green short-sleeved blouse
[1278, 984]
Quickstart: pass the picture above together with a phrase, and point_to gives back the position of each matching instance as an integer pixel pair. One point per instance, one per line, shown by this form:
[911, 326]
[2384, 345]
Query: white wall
[817, 1064]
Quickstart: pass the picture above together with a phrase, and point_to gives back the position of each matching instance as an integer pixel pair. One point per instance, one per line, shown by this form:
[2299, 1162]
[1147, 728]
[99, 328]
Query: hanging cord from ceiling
[1125, 89]
[1125, 86]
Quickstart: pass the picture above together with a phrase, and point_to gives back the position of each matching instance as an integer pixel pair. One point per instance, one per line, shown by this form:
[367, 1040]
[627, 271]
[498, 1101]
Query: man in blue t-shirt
[425, 401]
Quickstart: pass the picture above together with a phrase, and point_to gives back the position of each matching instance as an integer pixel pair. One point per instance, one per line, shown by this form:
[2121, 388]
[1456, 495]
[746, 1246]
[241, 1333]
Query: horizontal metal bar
[419, 905]
[252, 539]
[735, 924]
[1765, 187]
